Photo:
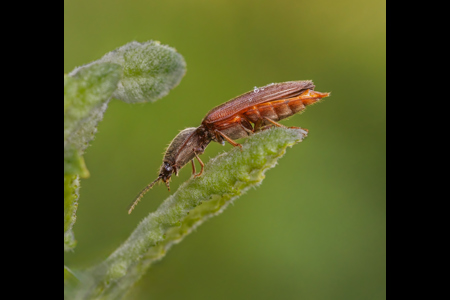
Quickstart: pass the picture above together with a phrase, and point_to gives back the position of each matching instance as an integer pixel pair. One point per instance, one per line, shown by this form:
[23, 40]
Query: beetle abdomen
[296, 106]
[276, 110]
[282, 109]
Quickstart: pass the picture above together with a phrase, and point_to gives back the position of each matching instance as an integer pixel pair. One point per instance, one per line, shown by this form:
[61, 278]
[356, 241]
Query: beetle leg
[201, 164]
[228, 139]
[274, 123]
[246, 126]
[279, 125]
[193, 167]
[258, 125]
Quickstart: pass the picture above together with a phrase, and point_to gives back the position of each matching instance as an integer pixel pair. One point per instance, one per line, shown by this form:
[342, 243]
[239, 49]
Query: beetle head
[166, 172]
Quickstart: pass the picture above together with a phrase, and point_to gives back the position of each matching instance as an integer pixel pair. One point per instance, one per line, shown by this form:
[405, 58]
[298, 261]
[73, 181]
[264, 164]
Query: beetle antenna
[141, 194]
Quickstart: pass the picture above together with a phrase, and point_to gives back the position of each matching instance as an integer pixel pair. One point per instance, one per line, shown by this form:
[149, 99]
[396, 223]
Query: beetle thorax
[182, 149]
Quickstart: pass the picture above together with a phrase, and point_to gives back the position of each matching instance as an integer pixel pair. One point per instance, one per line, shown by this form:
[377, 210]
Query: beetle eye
[167, 167]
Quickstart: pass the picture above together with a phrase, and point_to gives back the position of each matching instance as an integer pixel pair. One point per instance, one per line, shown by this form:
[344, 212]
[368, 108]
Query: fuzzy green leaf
[134, 73]
[71, 194]
[86, 96]
[226, 177]
[150, 70]
[74, 163]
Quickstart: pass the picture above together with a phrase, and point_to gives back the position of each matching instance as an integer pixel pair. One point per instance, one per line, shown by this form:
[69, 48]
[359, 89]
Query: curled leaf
[150, 70]
[136, 72]
[86, 95]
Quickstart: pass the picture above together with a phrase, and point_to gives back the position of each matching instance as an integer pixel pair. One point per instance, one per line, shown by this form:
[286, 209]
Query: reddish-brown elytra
[232, 120]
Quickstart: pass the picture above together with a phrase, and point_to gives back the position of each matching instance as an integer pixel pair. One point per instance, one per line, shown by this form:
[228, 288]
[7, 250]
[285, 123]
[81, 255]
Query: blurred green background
[316, 227]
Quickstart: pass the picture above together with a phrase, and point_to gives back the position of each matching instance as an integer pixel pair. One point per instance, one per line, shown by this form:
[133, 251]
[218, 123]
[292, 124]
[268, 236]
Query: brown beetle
[233, 120]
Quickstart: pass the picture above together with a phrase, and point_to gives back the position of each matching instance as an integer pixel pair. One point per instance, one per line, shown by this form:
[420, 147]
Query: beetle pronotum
[240, 117]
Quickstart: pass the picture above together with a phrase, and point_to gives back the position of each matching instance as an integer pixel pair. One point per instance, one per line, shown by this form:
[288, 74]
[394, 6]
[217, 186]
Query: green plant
[136, 73]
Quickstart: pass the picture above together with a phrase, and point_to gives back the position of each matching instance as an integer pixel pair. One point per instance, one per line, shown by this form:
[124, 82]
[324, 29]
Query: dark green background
[316, 227]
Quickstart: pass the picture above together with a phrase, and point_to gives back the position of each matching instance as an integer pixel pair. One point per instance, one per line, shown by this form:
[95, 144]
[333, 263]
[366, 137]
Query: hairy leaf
[86, 95]
[150, 70]
[134, 73]
[71, 194]
[226, 177]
